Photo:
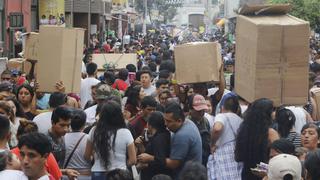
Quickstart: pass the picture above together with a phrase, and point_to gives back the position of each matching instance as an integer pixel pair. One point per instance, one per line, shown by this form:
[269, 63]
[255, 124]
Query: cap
[199, 103]
[14, 72]
[103, 91]
[284, 164]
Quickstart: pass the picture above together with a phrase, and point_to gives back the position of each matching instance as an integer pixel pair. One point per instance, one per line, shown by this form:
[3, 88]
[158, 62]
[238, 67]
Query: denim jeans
[98, 175]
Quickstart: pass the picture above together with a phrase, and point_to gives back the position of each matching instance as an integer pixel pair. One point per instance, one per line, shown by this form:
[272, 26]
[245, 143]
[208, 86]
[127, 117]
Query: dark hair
[91, 68]
[161, 82]
[193, 171]
[57, 99]
[61, 112]
[312, 164]
[156, 121]
[232, 104]
[283, 146]
[110, 120]
[19, 113]
[133, 94]
[131, 68]
[26, 127]
[108, 75]
[286, 120]
[36, 141]
[145, 72]
[176, 110]
[78, 119]
[4, 126]
[119, 174]
[28, 87]
[167, 65]
[148, 101]
[311, 125]
[123, 74]
[5, 156]
[161, 177]
[164, 74]
[152, 66]
[252, 139]
[6, 107]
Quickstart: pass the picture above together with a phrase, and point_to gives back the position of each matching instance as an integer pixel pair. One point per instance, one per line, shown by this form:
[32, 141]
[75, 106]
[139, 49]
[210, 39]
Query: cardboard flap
[270, 9]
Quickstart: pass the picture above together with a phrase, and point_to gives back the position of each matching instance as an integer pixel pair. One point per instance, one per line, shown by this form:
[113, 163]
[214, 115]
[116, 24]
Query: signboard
[51, 12]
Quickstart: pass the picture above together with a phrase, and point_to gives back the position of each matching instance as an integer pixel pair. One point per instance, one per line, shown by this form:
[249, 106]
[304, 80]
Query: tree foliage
[305, 9]
[165, 9]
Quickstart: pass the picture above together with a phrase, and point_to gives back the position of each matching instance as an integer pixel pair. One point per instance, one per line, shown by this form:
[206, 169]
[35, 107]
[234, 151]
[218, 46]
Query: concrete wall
[82, 6]
[23, 6]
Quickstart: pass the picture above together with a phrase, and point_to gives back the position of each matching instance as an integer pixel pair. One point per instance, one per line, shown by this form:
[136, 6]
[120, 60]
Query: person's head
[312, 165]
[109, 77]
[102, 92]
[25, 94]
[231, 104]
[162, 84]
[26, 127]
[165, 74]
[310, 136]
[197, 106]
[209, 104]
[148, 105]
[286, 120]
[8, 160]
[135, 94]
[173, 116]
[161, 177]
[281, 146]
[123, 74]
[15, 106]
[34, 150]
[61, 120]
[78, 120]
[6, 110]
[193, 171]
[92, 68]
[284, 167]
[119, 174]
[110, 120]
[168, 65]
[156, 122]
[57, 99]
[145, 78]
[4, 128]
[6, 76]
[131, 68]
[164, 97]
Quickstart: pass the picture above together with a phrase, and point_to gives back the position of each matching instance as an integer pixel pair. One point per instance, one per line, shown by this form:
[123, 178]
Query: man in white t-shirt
[86, 84]
[43, 120]
[10, 166]
[145, 78]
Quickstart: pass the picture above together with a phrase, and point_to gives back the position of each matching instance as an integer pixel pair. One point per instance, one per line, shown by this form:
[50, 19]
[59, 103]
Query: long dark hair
[133, 95]
[286, 120]
[252, 139]
[110, 120]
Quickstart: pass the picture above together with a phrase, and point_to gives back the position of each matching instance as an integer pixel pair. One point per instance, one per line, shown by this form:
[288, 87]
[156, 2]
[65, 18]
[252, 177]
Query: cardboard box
[119, 60]
[197, 62]
[20, 64]
[272, 54]
[31, 49]
[60, 58]
[315, 92]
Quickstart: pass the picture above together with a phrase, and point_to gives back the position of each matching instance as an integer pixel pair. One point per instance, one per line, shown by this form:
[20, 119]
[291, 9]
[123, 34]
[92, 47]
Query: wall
[23, 6]
[82, 6]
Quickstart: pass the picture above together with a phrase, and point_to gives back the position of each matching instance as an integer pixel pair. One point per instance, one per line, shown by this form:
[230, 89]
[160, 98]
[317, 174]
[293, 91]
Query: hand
[145, 158]
[60, 87]
[126, 115]
[72, 174]
[139, 140]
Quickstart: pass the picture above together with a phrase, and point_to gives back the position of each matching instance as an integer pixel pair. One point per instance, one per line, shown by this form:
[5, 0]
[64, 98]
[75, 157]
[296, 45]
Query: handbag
[135, 174]
[74, 149]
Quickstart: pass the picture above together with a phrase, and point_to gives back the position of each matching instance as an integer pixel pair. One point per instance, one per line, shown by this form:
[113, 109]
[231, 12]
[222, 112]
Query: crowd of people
[138, 123]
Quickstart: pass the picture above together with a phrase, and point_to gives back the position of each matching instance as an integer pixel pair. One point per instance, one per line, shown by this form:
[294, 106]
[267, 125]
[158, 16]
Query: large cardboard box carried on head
[60, 58]
[31, 48]
[197, 62]
[272, 52]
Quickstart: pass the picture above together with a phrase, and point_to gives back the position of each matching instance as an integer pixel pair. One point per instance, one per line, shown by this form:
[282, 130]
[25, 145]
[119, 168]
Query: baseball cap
[103, 91]
[282, 165]
[199, 103]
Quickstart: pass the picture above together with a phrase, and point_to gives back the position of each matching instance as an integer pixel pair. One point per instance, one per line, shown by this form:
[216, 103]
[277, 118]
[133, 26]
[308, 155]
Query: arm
[222, 84]
[273, 135]
[132, 159]
[172, 164]
[89, 151]
[216, 132]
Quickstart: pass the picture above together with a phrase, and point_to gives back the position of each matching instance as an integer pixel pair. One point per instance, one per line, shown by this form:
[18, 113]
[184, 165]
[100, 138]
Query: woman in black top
[158, 146]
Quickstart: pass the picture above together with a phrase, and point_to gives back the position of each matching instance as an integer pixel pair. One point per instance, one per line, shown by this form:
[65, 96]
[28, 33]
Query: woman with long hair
[135, 94]
[254, 137]
[109, 142]
[286, 120]
[25, 96]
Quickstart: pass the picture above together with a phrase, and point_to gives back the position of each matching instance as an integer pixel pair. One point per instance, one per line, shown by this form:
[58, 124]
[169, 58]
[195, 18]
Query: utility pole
[89, 22]
[144, 29]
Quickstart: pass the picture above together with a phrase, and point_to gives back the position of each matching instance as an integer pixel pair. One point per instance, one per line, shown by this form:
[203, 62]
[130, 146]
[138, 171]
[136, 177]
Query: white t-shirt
[12, 175]
[228, 133]
[43, 121]
[301, 117]
[77, 160]
[91, 114]
[118, 158]
[85, 91]
[149, 90]
[210, 119]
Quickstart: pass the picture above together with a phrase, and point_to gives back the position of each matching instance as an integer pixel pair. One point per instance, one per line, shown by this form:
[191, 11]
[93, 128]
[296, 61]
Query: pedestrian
[86, 84]
[284, 166]
[25, 95]
[134, 94]
[146, 78]
[310, 136]
[10, 166]
[312, 165]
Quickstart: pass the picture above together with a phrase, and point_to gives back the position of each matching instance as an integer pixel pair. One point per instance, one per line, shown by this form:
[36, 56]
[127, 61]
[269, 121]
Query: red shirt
[106, 48]
[120, 85]
[51, 164]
